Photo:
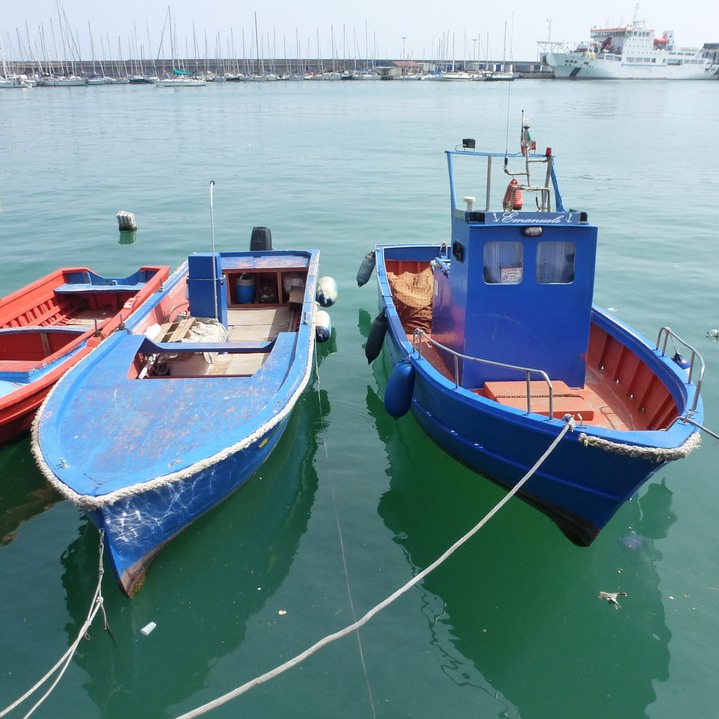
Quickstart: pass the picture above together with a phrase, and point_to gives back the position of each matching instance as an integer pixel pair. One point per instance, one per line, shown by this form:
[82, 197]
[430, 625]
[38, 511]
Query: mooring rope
[701, 427]
[219, 701]
[342, 549]
[63, 663]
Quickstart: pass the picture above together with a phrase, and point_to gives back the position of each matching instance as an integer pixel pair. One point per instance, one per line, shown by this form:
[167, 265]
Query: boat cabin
[515, 287]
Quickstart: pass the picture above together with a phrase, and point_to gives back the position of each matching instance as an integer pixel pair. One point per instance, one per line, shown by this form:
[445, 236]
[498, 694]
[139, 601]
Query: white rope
[64, 661]
[199, 711]
[654, 454]
[344, 558]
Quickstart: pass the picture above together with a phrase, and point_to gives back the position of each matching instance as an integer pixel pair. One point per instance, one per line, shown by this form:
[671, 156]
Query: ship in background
[630, 52]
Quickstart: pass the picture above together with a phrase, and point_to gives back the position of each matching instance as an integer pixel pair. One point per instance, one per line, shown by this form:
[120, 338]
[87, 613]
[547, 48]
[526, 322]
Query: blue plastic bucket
[245, 289]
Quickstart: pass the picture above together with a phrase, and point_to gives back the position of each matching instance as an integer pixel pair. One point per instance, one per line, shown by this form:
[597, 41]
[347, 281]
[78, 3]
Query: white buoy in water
[326, 293]
[323, 326]
[126, 220]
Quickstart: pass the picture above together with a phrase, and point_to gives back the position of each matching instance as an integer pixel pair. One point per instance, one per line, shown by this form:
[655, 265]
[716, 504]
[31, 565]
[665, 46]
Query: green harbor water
[352, 504]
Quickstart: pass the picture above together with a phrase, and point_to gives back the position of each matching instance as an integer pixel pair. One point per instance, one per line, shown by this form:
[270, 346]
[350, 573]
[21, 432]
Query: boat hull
[138, 527]
[580, 486]
[568, 66]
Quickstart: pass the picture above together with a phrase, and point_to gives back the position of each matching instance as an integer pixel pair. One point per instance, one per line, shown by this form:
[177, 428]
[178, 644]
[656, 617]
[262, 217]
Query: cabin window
[555, 263]
[503, 263]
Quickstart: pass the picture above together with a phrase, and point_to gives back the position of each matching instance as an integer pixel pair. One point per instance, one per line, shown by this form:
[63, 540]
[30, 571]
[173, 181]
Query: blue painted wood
[86, 287]
[526, 322]
[104, 431]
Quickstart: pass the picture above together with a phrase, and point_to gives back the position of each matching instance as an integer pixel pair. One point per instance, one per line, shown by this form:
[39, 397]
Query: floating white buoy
[323, 325]
[126, 220]
[148, 628]
[326, 293]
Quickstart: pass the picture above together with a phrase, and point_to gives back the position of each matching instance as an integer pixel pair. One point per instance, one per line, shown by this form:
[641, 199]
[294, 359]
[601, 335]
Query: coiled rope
[219, 701]
[61, 666]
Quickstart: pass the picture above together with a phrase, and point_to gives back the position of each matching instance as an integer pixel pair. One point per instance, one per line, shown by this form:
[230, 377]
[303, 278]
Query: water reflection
[24, 494]
[203, 588]
[519, 602]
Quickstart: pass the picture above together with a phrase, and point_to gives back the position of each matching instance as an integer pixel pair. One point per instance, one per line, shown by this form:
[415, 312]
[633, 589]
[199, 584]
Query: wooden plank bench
[566, 400]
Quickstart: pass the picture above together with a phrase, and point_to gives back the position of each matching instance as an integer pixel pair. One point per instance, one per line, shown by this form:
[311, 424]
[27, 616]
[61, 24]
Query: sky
[398, 29]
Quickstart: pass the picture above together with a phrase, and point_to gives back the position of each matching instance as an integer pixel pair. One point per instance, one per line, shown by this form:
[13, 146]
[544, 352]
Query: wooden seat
[566, 400]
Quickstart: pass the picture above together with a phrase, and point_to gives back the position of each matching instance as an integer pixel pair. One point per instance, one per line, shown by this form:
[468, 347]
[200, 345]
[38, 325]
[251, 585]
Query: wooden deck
[598, 403]
[255, 324]
[250, 324]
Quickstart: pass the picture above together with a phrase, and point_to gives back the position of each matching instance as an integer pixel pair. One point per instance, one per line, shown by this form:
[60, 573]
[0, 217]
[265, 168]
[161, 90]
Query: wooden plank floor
[596, 400]
[252, 324]
[257, 324]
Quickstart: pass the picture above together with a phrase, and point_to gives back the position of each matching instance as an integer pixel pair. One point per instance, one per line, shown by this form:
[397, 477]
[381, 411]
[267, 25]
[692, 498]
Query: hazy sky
[396, 28]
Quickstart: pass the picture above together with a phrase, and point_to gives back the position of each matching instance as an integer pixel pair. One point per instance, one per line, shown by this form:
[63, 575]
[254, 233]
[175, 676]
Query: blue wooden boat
[168, 418]
[495, 343]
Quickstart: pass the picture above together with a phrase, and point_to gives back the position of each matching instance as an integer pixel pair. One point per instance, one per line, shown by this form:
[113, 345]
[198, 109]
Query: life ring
[513, 199]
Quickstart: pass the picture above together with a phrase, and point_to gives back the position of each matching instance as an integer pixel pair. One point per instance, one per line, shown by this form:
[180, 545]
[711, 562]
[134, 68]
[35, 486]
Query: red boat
[51, 324]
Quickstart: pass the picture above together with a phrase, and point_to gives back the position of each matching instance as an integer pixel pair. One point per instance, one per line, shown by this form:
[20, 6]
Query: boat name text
[514, 218]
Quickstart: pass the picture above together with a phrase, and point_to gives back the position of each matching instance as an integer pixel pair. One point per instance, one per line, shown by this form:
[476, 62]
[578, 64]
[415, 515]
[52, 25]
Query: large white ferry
[631, 52]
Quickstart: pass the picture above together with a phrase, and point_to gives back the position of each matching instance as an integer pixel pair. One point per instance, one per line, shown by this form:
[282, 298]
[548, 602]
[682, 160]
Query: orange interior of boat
[58, 309]
[621, 392]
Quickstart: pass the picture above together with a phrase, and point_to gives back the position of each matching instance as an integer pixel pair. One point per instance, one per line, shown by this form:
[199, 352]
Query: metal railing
[420, 335]
[668, 333]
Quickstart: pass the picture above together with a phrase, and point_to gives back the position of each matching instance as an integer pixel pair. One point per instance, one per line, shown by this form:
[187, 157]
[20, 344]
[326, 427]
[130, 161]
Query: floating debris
[611, 597]
[148, 628]
[126, 220]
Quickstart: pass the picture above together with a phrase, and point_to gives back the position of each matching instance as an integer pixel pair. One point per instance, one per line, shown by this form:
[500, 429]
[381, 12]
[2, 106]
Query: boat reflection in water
[516, 610]
[25, 493]
[206, 585]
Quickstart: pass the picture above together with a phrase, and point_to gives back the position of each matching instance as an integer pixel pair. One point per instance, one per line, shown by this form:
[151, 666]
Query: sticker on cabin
[510, 275]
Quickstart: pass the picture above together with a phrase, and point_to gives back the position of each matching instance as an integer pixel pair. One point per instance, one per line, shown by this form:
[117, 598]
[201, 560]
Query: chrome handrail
[667, 332]
[420, 334]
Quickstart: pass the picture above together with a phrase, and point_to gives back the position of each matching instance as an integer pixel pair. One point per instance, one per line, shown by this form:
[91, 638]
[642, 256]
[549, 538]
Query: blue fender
[400, 388]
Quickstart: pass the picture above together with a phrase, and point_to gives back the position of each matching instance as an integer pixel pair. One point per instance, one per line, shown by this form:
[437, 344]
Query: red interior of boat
[621, 392]
[33, 346]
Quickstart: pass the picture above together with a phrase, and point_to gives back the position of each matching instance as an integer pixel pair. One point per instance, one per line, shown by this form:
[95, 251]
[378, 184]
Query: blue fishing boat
[169, 417]
[496, 344]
